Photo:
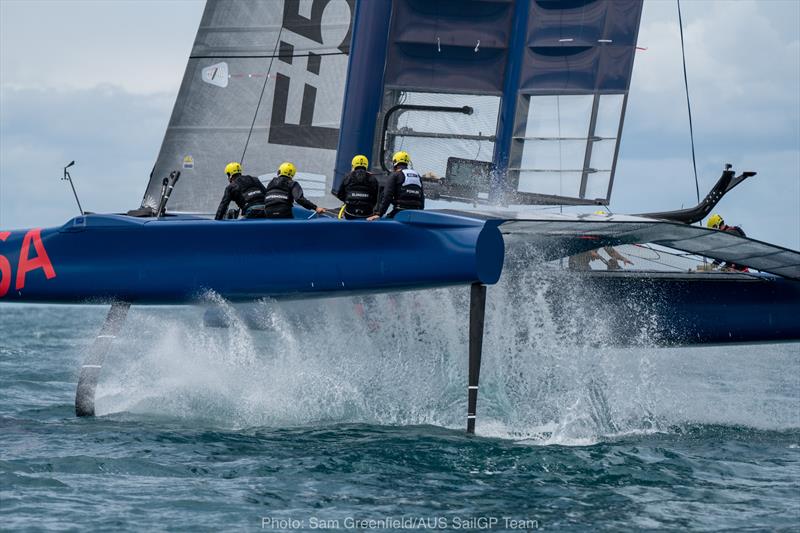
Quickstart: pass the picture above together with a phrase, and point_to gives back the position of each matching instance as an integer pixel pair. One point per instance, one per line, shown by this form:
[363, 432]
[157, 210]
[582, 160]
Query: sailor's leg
[477, 310]
[93, 363]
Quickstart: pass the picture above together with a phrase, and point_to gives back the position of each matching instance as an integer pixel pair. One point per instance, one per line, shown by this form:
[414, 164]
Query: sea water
[349, 414]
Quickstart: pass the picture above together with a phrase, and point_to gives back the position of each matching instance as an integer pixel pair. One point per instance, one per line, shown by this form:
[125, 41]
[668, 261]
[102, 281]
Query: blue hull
[179, 259]
[632, 308]
[683, 308]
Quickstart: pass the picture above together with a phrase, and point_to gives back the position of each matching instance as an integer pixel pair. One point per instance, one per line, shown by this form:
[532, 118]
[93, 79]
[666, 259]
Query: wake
[550, 375]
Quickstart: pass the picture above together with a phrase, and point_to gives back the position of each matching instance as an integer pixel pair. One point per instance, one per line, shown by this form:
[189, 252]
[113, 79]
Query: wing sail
[264, 84]
[554, 236]
[546, 80]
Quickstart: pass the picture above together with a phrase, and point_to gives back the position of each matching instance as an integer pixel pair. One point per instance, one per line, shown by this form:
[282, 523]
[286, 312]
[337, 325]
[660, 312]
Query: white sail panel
[264, 84]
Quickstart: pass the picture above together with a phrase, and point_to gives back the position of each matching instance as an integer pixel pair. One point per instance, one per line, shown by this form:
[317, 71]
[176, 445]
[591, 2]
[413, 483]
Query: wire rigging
[261, 96]
[688, 104]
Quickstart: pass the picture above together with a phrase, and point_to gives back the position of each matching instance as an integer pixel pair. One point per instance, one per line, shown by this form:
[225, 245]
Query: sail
[264, 84]
[510, 101]
[571, 98]
[545, 83]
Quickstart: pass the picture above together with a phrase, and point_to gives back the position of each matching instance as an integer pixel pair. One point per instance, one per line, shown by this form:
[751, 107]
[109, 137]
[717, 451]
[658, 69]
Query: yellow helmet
[715, 221]
[401, 157]
[360, 161]
[287, 169]
[601, 212]
[233, 168]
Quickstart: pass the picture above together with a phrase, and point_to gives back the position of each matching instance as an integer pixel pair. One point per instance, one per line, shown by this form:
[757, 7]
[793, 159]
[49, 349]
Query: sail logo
[306, 82]
[216, 74]
[25, 263]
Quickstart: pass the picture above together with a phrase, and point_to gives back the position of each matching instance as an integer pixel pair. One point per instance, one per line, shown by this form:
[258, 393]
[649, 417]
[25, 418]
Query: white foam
[549, 375]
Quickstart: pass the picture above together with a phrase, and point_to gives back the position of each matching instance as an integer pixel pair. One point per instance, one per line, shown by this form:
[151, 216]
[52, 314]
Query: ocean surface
[348, 414]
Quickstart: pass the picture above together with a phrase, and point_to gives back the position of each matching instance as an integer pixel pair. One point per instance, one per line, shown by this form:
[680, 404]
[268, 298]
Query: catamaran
[505, 105]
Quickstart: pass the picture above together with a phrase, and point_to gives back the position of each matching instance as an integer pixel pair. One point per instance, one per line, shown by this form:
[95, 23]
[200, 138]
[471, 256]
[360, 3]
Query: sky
[97, 80]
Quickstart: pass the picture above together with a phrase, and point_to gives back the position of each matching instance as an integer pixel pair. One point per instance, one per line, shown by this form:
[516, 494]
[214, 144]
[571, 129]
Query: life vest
[359, 199]
[278, 199]
[251, 193]
[410, 194]
[734, 229]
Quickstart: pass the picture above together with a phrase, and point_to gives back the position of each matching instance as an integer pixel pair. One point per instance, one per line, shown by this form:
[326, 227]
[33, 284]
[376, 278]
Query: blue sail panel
[559, 74]
[576, 71]
[580, 46]
[449, 46]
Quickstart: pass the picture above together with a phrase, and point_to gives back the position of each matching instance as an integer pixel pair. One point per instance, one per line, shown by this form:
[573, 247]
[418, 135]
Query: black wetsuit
[403, 190]
[736, 230]
[282, 192]
[248, 192]
[359, 192]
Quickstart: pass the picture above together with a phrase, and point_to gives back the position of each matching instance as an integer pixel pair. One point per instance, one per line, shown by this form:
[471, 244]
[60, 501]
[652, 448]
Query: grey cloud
[766, 205]
[139, 45]
[113, 135]
[741, 60]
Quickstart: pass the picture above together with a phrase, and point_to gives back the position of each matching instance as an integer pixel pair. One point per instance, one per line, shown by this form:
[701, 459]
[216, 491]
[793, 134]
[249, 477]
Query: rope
[688, 104]
[261, 96]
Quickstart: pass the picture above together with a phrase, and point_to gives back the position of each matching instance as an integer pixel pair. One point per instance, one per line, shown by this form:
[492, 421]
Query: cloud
[95, 83]
[113, 135]
[743, 63]
[138, 45]
[766, 205]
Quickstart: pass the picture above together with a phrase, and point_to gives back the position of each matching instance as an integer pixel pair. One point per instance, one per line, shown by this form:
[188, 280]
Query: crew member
[283, 192]
[582, 261]
[403, 189]
[359, 191]
[715, 221]
[247, 191]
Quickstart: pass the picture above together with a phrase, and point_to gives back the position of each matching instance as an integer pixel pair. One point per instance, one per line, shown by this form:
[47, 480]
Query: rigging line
[261, 96]
[262, 56]
[661, 264]
[688, 104]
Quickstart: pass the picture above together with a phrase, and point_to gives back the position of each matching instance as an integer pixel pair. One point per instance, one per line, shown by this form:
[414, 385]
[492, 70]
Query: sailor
[403, 189]
[247, 191]
[582, 261]
[283, 192]
[359, 191]
[715, 221]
